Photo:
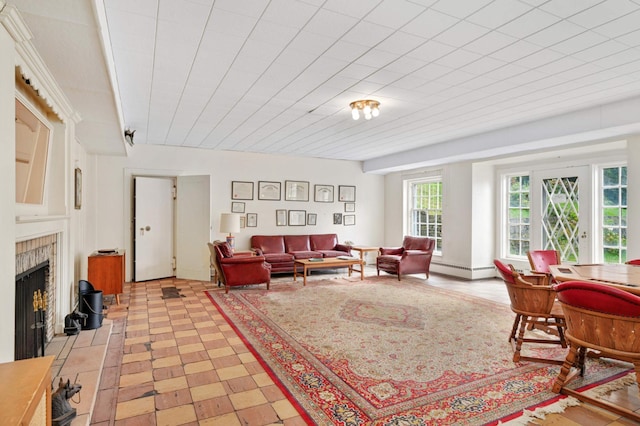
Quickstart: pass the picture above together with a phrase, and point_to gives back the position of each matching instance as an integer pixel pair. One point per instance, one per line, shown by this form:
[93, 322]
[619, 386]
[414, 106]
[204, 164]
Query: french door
[561, 216]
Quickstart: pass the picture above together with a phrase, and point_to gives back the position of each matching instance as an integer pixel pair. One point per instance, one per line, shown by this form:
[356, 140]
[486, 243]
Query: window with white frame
[518, 213]
[425, 212]
[613, 210]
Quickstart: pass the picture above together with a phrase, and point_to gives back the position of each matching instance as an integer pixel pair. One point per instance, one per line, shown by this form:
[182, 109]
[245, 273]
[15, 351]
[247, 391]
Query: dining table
[623, 276]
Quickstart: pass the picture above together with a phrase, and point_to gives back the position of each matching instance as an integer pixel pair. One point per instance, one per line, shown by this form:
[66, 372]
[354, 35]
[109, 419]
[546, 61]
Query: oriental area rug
[389, 352]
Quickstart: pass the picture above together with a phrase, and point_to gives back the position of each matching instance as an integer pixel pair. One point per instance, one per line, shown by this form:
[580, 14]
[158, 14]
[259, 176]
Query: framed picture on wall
[346, 193]
[237, 207]
[241, 190]
[349, 219]
[296, 190]
[297, 217]
[337, 218]
[349, 207]
[311, 218]
[252, 220]
[323, 193]
[268, 190]
[243, 222]
[281, 218]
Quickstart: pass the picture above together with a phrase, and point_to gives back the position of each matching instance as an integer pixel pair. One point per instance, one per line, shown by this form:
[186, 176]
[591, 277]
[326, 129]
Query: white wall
[113, 189]
[7, 196]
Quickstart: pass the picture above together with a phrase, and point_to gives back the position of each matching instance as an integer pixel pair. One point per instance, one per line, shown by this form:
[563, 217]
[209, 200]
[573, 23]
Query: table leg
[304, 275]
[117, 298]
[350, 269]
[361, 271]
[295, 272]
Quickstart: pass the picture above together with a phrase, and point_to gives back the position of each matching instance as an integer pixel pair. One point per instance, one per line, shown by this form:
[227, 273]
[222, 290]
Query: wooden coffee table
[363, 251]
[327, 262]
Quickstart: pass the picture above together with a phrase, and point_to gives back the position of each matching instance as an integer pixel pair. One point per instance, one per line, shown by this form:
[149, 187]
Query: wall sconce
[128, 136]
[369, 108]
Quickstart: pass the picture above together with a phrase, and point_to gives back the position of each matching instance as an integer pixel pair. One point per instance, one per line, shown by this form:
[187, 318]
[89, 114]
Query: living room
[471, 170]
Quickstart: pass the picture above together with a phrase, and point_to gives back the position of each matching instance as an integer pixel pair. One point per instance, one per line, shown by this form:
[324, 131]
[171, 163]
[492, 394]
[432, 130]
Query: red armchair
[412, 258]
[241, 270]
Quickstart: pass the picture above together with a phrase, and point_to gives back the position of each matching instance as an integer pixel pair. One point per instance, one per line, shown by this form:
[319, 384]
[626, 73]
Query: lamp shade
[229, 222]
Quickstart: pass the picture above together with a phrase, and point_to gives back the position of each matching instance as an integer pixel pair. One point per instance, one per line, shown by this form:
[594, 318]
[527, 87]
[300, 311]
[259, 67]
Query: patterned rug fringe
[559, 406]
[542, 412]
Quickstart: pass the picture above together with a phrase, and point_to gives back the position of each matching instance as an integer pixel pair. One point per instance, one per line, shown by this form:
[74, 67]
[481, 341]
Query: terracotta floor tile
[241, 384]
[136, 357]
[272, 393]
[104, 406]
[213, 407]
[135, 340]
[135, 367]
[229, 419]
[148, 419]
[88, 359]
[258, 415]
[168, 372]
[188, 340]
[163, 344]
[177, 415]
[135, 392]
[181, 321]
[284, 409]
[221, 352]
[192, 357]
[169, 385]
[186, 333]
[160, 330]
[226, 361]
[253, 367]
[173, 399]
[198, 367]
[164, 352]
[212, 390]
[135, 379]
[202, 378]
[251, 398]
[167, 361]
[193, 347]
[135, 407]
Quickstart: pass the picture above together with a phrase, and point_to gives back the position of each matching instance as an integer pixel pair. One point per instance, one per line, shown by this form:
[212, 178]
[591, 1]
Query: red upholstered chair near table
[535, 307]
[241, 269]
[634, 262]
[539, 260]
[603, 318]
[413, 257]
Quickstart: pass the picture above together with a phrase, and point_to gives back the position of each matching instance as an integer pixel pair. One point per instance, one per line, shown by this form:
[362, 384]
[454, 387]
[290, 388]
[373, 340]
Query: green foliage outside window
[426, 211]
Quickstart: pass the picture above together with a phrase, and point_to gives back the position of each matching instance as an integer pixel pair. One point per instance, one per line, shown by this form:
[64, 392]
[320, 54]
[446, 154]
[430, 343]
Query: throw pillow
[225, 249]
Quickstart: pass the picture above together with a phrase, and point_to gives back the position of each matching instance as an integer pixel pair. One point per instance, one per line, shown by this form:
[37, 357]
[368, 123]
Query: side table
[363, 251]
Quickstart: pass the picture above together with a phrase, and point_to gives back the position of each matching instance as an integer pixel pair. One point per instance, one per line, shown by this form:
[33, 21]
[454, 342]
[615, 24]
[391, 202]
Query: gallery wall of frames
[291, 193]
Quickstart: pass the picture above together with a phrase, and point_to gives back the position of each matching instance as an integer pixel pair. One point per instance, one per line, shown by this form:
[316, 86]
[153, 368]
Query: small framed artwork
[237, 207]
[243, 222]
[268, 190]
[323, 193]
[347, 193]
[296, 190]
[297, 217]
[311, 218]
[337, 218]
[78, 189]
[349, 219]
[349, 207]
[281, 218]
[241, 190]
[252, 220]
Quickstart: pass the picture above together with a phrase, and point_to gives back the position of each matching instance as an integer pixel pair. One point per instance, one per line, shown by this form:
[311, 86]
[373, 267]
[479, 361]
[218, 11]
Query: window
[425, 198]
[518, 192]
[614, 214]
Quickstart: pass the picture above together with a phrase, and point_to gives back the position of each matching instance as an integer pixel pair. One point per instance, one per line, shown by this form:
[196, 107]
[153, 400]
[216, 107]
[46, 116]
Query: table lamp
[229, 223]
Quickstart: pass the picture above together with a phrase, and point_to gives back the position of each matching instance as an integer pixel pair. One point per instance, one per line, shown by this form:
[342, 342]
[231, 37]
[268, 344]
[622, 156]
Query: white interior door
[153, 228]
[562, 219]
[193, 217]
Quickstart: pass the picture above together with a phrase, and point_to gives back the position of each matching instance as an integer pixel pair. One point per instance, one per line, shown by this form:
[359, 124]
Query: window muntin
[518, 214]
[613, 214]
[425, 216]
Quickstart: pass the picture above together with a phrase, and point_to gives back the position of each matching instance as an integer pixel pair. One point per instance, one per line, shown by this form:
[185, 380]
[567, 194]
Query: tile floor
[174, 361]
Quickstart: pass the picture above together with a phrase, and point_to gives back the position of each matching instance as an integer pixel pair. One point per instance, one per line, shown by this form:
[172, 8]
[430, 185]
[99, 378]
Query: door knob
[147, 228]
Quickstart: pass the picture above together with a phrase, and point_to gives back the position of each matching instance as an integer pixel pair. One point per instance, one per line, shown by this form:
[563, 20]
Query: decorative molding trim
[33, 69]
[464, 268]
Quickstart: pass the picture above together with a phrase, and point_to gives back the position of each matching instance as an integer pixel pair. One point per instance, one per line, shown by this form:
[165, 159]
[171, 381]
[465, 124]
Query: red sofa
[281, 250]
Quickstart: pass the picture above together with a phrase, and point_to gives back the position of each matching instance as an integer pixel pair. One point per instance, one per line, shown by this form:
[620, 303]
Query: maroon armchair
[412, 258]
[241, 270]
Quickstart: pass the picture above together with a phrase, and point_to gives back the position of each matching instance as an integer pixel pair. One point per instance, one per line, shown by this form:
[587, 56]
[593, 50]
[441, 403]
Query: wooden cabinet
[25, 398]
[106, 272]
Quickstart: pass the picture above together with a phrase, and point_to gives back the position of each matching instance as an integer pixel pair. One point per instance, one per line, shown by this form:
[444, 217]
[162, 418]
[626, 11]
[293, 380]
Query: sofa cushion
[320, 242]
[333, 253]
[278, 257]
[306, 254]
[268, 243]
[293, 243]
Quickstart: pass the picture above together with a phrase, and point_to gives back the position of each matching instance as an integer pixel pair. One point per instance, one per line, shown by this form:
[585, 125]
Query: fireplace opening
[31, 315]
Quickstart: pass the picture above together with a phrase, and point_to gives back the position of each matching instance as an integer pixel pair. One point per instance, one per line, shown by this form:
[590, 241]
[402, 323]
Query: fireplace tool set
[39, 313]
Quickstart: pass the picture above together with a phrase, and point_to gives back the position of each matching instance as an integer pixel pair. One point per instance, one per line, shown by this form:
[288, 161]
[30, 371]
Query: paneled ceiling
[277, 76]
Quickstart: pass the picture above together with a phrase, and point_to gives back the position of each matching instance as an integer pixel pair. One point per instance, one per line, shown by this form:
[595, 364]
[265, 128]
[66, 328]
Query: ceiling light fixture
[368, 107]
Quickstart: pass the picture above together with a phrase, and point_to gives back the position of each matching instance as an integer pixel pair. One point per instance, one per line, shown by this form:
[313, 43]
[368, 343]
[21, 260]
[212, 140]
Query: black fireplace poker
[39, 314]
